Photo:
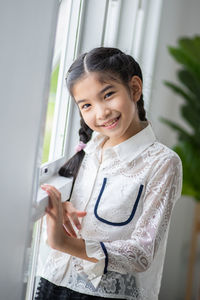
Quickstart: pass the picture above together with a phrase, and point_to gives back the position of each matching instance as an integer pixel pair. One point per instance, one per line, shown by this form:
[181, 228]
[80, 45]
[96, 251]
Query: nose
[102, 112]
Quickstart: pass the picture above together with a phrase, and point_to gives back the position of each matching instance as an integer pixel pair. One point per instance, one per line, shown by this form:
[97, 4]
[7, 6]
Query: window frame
[63, 103]
[74, 44]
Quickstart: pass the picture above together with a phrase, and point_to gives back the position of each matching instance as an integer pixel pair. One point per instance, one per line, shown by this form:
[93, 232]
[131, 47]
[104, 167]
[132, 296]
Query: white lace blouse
[129, 198]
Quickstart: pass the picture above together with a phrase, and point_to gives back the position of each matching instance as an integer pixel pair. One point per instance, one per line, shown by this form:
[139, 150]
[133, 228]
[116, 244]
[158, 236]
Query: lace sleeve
[162, 191]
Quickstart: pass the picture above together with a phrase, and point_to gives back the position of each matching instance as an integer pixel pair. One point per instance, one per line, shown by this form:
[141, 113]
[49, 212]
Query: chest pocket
[123, 207]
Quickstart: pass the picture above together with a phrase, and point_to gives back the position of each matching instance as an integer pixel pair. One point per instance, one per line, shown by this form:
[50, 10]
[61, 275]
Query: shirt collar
[127, 150]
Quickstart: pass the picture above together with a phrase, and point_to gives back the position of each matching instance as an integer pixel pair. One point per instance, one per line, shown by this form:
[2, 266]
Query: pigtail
[141, 110]
[71, 167]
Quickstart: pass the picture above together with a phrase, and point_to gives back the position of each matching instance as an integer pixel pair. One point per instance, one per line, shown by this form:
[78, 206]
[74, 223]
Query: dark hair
[110, 63]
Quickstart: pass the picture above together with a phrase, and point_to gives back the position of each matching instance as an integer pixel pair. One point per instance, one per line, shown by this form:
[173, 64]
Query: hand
[71, 215]
[57, 237]
[55, 231]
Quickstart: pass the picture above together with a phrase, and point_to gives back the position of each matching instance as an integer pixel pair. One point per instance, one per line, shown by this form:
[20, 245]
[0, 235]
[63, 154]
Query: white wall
[26, 37]
[179, 18]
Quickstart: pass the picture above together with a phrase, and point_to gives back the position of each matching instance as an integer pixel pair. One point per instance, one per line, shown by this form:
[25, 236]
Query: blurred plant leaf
[191, 116]
[186, 59]
[179, 91]
[182, 133]
[191, 164]
[187, 54]
[191, 47]
[190, 82]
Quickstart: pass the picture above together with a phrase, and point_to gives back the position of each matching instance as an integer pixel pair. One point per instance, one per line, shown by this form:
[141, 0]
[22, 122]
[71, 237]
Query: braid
[71, 167]
[141, 110]
[85, 132]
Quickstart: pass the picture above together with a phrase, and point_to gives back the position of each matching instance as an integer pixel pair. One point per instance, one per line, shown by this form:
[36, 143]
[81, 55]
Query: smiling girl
[109, 241]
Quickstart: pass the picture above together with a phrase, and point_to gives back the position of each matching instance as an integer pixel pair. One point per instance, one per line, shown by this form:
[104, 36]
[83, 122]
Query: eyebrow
[110, 86]
[99, 93]
[80, 101]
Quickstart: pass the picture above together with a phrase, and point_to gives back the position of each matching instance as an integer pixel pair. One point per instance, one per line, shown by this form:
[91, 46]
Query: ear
[136, 88]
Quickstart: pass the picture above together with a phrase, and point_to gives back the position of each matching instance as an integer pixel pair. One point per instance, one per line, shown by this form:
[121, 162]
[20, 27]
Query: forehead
[92, 83]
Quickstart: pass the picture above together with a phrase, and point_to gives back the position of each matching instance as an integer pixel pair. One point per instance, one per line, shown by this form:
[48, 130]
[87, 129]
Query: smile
[111, 124]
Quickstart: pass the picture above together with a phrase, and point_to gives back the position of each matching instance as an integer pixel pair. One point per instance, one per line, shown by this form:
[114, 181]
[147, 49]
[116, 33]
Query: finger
[49, 213]
[54, 204]
[54, 198]
[74, 218]
[73, 214]
[69, 227]
[53, 201]
[50, 202]
[53, 189]
[65, 230]
[81, 214]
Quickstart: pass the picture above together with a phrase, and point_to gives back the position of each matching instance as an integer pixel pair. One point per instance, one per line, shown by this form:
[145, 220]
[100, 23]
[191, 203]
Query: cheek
[89, 120]
[128, 108]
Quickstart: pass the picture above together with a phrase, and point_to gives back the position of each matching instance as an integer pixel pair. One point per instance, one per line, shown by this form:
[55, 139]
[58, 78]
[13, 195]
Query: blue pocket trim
[116, 223]
[106, 258]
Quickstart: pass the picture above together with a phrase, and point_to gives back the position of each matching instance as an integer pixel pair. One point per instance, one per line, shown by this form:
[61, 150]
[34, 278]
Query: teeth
[108, 124]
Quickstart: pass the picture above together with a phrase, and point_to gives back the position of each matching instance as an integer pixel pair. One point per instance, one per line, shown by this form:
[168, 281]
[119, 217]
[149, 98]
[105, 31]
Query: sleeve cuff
[95, 271]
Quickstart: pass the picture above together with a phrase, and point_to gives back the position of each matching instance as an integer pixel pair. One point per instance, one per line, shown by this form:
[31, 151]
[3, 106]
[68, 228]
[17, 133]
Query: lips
[110, 122]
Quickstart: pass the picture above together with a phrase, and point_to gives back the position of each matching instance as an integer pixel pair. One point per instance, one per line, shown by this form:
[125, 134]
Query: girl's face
[109, 107]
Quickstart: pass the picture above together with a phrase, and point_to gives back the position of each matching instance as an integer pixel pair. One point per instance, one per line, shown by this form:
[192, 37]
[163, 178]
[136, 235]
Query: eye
[85, 106]
[108, 95]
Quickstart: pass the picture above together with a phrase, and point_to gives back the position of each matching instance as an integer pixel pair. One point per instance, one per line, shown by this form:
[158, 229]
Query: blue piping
[106, 258]
[116, 223]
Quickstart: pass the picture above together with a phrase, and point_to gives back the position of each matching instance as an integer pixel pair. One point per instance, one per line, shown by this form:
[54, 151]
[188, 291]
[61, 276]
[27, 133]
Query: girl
[109, 241]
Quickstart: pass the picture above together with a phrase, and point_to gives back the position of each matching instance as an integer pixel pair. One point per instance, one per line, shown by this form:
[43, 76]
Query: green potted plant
[187, 54]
